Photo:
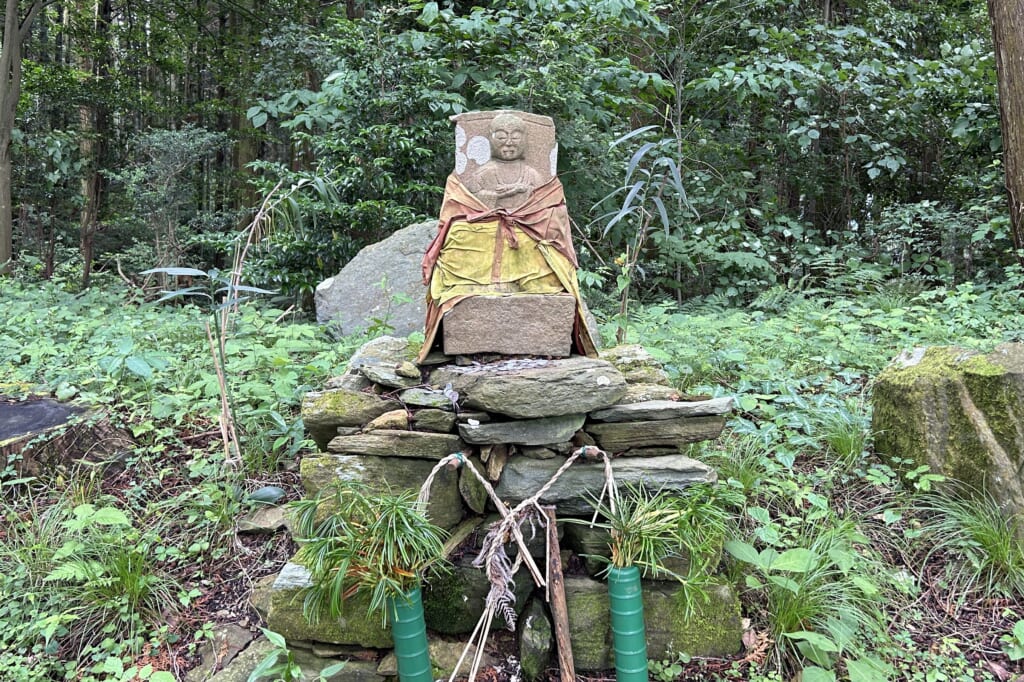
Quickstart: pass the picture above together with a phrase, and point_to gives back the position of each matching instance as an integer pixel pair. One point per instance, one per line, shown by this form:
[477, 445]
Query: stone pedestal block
[527, 324]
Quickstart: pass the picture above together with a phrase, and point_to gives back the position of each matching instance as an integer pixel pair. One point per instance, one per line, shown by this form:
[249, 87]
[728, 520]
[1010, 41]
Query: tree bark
[93, 123]
[1007, 17]
[16, 29]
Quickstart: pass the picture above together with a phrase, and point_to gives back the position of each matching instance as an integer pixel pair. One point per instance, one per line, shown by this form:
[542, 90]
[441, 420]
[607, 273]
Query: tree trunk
[16, 28]
[93, 123]
[1007, 18]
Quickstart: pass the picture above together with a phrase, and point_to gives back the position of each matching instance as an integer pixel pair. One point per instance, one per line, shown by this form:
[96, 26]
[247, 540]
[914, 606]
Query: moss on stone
[959, 412]
[707, 628]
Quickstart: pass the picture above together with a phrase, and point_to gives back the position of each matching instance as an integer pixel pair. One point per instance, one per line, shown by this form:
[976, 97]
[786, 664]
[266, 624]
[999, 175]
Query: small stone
[524, 431]
[395, 419]
[537, 452]
[536, 641]
[637, 365]
[639, 393]
[408, 370]
[263, 521]
[352, 382]
[496, 462]
[425, 397]
[386, 375]
[438, 421]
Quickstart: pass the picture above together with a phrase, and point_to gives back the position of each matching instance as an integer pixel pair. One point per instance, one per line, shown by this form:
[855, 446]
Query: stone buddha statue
[501, 273]
[506, 180]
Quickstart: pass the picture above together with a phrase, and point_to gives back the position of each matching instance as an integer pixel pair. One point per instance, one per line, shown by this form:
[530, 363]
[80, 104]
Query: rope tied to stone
[499, 568]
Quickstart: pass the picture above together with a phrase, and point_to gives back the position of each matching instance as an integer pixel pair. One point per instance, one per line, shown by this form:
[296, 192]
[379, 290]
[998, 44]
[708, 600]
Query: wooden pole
[556, 600]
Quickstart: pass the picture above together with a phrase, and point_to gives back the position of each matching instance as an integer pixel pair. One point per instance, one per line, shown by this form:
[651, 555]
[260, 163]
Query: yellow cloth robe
[480, 251]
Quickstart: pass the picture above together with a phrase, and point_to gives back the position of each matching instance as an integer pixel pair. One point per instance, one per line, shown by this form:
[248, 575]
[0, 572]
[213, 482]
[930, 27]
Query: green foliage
[280, 663]
[376, 127]
[357, 540]
[970, 525]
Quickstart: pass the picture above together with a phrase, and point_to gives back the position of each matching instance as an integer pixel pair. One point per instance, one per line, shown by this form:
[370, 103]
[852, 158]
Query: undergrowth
[849, 566]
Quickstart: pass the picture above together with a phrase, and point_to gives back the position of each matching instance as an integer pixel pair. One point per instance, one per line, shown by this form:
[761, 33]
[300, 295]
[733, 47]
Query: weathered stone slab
[352, 299]
[324, 411]
[640, 393]
[354, 626]
[959, 412]
[385, 443]
[438, 421]
[637, 365]
[623, 436]
[425, 397]
[383, 474]
[590, 625]
[525, 389]
[654, 410]
[523, 324]
[523, 477]
[524, 431]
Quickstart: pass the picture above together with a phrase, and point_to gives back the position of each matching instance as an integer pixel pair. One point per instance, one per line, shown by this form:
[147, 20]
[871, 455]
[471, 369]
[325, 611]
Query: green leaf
[110, 516]
[333, 669]
[265, 666]
[429, 14]
[275, 638]
[177, 272]
[138, 366]
[817, 639]
[743, 551]
[746, 402]
[868, 669]
[798, 560]
[813, 673]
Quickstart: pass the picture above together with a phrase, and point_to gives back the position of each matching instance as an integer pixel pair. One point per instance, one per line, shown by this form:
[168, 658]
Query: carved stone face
[508, 138]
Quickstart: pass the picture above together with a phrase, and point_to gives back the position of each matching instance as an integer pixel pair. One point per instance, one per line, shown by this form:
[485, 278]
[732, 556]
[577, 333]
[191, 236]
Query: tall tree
[18, 18]
[1007, 18]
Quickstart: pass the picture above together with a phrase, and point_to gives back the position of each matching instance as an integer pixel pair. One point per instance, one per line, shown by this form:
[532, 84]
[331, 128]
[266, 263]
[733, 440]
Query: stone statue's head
[508, 137]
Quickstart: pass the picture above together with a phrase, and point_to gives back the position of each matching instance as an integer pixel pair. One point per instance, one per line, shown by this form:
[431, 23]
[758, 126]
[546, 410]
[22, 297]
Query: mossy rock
[707, 628]
[324, 411]
[452, 603]
[354, 626]
[959, 412]
[387, 474]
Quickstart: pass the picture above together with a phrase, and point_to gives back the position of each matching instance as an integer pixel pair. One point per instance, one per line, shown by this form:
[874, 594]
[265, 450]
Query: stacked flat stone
[387, 422]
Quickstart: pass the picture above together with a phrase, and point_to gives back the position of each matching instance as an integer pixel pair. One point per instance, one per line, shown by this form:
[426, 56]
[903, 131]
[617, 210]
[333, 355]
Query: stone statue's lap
[474, 262]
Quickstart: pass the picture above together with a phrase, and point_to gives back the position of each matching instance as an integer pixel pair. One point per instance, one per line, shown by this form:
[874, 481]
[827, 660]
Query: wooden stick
[559, 611]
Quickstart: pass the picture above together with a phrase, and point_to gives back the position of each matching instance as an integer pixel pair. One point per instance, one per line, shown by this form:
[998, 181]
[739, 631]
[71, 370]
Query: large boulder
[381, 285]
[961, 413]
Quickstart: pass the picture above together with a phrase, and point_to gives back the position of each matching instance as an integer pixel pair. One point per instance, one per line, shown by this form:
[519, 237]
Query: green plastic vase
[409, 632]
[629, 638]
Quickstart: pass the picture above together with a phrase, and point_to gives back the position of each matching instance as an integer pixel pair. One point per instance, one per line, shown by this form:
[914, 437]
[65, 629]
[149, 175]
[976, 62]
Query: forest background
[774, 197]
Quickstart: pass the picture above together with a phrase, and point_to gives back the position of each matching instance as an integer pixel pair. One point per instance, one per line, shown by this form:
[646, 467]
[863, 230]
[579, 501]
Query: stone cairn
[496, 381]
[387, 421]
